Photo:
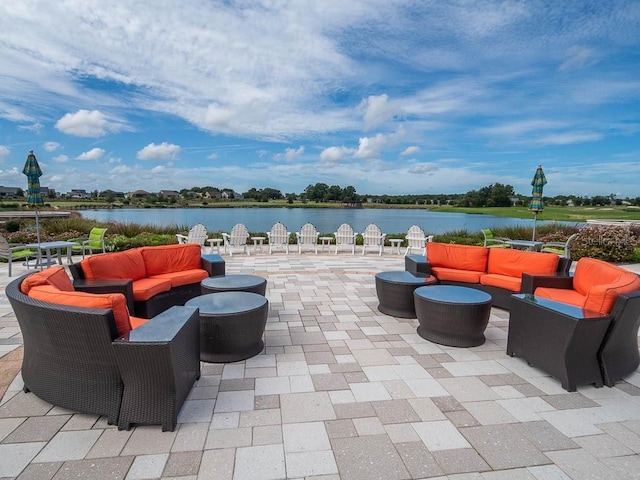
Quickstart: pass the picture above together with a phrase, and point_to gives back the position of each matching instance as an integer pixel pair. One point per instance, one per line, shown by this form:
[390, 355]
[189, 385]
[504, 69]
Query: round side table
[395, 292]
[234, 283]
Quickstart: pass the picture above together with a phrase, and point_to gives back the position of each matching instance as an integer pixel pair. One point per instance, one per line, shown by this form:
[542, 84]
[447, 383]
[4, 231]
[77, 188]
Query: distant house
[138, 194]
[48, 192]
[8, 192]
[169, 193]
[78, 193]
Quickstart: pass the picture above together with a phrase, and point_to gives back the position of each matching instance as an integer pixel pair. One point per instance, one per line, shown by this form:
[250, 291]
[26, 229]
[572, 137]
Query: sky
[389, 96]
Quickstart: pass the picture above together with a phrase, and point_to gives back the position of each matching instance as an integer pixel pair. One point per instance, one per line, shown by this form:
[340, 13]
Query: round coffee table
[234, 283]
[395, 292]
[231, 325]
[452, 315]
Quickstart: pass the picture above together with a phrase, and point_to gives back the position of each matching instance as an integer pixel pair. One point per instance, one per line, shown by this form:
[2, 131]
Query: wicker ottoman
[452, 315]
[231, 325]
[395, 292]
[234, 283]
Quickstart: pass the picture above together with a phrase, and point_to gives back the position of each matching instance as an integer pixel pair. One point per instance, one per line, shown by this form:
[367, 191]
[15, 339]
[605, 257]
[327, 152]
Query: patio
[341, 392]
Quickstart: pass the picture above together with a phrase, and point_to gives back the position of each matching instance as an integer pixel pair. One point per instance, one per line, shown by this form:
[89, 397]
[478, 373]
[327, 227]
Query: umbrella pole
[535, 217]
[38, 237]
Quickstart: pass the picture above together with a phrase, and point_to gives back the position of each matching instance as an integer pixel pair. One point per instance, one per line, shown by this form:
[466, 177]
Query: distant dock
[4, 216]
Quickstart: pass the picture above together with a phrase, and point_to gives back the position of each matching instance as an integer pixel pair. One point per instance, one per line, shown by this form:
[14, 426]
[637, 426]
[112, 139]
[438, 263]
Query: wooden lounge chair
[345, 237]
[373, 238]
[278, 237]
[307, 238]
[197, 234]
[236, 239]
[416, 238]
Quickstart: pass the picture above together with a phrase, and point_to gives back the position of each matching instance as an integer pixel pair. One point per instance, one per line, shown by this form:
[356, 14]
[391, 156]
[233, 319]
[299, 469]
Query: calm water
[326, 220]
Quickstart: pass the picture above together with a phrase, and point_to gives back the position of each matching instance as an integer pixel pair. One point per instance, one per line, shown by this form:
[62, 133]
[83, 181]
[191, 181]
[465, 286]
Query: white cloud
[290, 154]
[93, 154]
[159, 169]
[410, 151]
[577, 58]
[85, 123]
[61, 159]
[4, 153]
[120, 169]
[369, 148]
[212, 156]
[336, 154]
[113, 160]
[569, 138]
[51, 146]
[164, 151]
[35, 128]
[419, 168]
[377, 110]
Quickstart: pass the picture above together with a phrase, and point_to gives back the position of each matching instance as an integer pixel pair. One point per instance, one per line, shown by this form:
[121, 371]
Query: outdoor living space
[341, 391]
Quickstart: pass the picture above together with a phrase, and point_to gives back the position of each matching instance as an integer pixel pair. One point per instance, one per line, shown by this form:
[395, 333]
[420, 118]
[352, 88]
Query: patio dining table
[51, 248]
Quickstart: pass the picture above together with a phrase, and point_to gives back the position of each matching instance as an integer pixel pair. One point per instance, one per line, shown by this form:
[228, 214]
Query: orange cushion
[110, 301]
[563, 295]
[118, 265]
[56, 276]
[590, 271]
[503, 281]
[145, 288]
[185, 277]
[171, 258]
[461, 257]
[512, 262]
[137, 321]
[455, 275]
[602, 297]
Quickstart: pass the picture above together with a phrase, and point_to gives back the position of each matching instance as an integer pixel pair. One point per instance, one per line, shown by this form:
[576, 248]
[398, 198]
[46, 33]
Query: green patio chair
[94, 242]
[490, 240]
[11, 252]
[561, 248]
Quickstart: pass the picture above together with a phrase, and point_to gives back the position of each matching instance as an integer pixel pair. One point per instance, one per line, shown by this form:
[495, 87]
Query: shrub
[119, 243]
[609, 243]
[12, 226]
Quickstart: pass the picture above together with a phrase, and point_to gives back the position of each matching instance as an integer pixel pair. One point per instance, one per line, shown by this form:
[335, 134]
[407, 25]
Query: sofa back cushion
[171, 258]
[54, 276]
[118, 265]
[513, 263]
[461, 257]
[109, 301]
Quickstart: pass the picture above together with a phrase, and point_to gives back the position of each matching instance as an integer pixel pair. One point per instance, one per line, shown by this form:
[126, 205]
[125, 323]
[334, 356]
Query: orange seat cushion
[118, 265]
[563, 295]
[602, 297]
[185, 277]
[460, 257]
[137, 321]
[455, 275]
[513, 263]
[171, 258]
[55, 276]
[145, 288]
[109, 301]
[507, 282]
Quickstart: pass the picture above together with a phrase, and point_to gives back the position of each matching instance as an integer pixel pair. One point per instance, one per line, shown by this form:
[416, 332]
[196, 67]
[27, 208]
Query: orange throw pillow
[513, 263]
[55, 276]
[118, 265]
[171, 258]
[110, 301]
[462, 257]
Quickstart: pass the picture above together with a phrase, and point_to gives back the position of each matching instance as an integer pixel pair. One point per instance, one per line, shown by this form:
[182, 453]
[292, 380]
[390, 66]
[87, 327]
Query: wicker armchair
[71, 360]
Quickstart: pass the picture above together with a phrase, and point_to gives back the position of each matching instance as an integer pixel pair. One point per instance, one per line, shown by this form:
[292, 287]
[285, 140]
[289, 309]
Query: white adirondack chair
[373, 238]
[236, 239]
[307, 237]
[416, 238]
[278, 237]
[345, 237]
[197, 234]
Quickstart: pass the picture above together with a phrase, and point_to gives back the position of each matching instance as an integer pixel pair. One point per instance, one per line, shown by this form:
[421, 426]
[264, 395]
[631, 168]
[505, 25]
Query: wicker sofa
[581, 329]
[83, 351]
[497, 271]
[151, 278]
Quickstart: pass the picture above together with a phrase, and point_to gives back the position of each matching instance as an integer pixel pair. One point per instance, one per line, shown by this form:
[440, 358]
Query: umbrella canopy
[32, 171]
[536, 205]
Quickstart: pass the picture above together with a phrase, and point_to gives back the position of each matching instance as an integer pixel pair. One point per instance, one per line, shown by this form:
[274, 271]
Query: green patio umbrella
[536, 205]
[34, 197]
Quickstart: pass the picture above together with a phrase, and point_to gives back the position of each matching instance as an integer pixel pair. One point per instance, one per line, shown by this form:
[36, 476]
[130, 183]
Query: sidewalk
[340, 392]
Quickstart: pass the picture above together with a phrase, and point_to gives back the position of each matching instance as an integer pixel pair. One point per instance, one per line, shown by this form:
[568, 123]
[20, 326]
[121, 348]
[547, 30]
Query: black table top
[402, 276]
[226, 303]
[453, 294]
[235, 281]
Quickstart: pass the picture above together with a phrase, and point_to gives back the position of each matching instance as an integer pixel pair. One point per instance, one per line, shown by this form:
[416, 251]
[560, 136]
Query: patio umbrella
[34, 197]
[536, 205]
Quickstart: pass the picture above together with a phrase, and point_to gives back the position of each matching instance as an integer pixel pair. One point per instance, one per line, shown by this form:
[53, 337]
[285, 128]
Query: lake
[326, 220]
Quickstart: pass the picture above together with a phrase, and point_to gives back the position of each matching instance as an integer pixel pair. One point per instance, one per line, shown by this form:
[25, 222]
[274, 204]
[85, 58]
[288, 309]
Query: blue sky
[390, 96]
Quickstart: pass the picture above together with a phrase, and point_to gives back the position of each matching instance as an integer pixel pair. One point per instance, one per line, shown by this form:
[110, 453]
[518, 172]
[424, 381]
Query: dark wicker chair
[575, 346]
[69, 357]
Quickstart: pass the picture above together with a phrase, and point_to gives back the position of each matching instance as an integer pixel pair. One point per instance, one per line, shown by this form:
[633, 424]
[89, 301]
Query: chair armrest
[107, 285]
[181, 238]
[531, 281]
[213, 264]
